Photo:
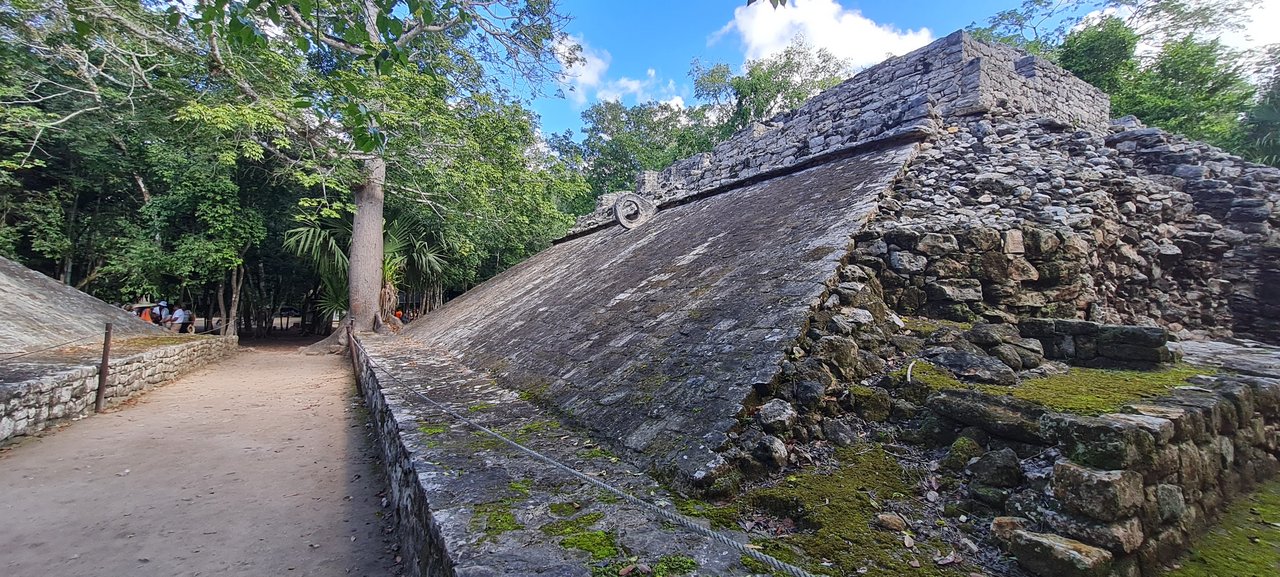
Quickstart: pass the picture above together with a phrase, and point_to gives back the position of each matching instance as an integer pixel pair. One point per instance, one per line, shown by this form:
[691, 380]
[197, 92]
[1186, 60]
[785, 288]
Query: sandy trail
[257, 465]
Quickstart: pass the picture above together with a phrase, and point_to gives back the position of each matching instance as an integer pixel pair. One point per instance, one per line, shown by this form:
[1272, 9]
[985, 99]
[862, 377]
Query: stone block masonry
[953, 77]
[654, 338]
[54, 393]
[1127, 491]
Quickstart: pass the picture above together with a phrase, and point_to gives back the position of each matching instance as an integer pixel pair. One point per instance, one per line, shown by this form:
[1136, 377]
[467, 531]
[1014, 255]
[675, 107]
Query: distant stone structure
[757, 307]
[38, 312]
[50, 351]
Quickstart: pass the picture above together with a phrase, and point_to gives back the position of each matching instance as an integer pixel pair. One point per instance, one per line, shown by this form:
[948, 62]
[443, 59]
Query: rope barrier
[653, 510]
[58, 346]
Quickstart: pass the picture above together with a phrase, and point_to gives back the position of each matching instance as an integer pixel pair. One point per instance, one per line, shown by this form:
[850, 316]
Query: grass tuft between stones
[1245, 542]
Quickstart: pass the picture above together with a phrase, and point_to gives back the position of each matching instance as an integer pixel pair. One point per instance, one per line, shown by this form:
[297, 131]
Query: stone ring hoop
[632, 210]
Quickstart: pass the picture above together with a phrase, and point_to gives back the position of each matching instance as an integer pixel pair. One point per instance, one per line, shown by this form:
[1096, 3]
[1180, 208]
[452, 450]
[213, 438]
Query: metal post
[103, 371]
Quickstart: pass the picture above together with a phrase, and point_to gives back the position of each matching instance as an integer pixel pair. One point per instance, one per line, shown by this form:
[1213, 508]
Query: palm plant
[410, 257]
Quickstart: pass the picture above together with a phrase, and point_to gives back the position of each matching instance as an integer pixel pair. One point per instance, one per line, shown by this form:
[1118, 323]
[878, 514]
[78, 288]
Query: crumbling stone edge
[68, 393]
[1130, 491]
[422, 547]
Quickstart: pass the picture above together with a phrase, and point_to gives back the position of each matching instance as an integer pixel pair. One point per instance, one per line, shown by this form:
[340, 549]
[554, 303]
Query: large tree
[342, 99]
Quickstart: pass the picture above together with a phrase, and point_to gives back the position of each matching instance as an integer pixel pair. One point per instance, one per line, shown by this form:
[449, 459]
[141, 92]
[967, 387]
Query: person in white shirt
[181, 318]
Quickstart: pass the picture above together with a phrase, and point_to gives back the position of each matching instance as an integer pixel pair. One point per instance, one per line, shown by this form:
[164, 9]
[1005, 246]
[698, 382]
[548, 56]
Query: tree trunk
[365, 271]
[222, 305]
[237, 280]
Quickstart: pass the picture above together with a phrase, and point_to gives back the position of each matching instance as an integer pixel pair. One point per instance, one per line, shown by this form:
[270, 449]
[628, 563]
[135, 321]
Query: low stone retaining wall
[421, 546]
[63, 393]
[1118, 494]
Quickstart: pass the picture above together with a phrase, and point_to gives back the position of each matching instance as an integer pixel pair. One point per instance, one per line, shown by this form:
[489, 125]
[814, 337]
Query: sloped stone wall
[59, 393]
[653, 338]
[954, 77]
[39, 311]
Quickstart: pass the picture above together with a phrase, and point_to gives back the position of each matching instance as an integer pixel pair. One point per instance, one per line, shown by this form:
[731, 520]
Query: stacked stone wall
[901, 97]
[64, 394]
[419, 538]
[1129, 490]
[1015, 216]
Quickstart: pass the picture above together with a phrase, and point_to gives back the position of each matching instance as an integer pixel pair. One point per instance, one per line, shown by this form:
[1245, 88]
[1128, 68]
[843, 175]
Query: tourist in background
[180, 319]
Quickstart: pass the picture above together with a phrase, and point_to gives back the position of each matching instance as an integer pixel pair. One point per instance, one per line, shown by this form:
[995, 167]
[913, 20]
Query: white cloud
[586, 80]
[584, 75]
[641, 90]
[764, 31]
[1263, 28]
[675, 101]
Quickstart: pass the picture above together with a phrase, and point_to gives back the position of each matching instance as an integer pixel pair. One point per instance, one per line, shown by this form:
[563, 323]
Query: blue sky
[641, 50]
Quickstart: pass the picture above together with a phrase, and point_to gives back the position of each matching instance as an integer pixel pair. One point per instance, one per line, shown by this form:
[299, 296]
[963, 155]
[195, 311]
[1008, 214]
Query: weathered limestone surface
[37, 394]
[653, 338]
[37, 311]
[755, 314]
[468, 505]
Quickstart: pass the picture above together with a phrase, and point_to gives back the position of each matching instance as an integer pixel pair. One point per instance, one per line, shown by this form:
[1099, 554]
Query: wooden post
[103, 371]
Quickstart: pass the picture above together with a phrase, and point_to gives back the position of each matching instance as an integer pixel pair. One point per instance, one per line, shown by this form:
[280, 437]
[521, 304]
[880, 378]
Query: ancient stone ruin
[875, 289]
[51, 349]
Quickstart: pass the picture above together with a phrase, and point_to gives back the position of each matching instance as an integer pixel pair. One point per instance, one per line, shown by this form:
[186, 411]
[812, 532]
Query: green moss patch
[432, 429]
[599, 544]
[929, 375]
[1246, 543]
[495, 518]
[673, 565]
[720, 516]
[1097, 391]
[833, 513]
[564, 509]
[598, 453]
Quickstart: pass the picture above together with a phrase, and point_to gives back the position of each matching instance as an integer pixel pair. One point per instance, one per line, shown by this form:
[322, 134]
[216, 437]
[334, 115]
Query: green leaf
[302, 43]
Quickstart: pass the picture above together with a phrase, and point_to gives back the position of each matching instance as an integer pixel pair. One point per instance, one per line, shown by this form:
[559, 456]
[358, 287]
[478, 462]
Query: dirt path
[259, 465]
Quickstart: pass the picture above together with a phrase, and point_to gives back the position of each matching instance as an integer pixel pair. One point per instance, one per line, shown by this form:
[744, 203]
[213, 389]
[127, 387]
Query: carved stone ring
[632, 210]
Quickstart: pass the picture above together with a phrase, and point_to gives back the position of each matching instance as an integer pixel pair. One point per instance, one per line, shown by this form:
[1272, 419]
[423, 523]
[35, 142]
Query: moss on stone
[565, 527]
[720, 516]
[674, 565]
[834, 512]
[962, 450]
[495, 518]
[432, 429]
[1097, 391]
[1245, 543]
[607, 498]
[564, 509]
[521, 487]
[929, 375]
[598, 453]
[476, 408]
[482, 440]
[599, 544]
